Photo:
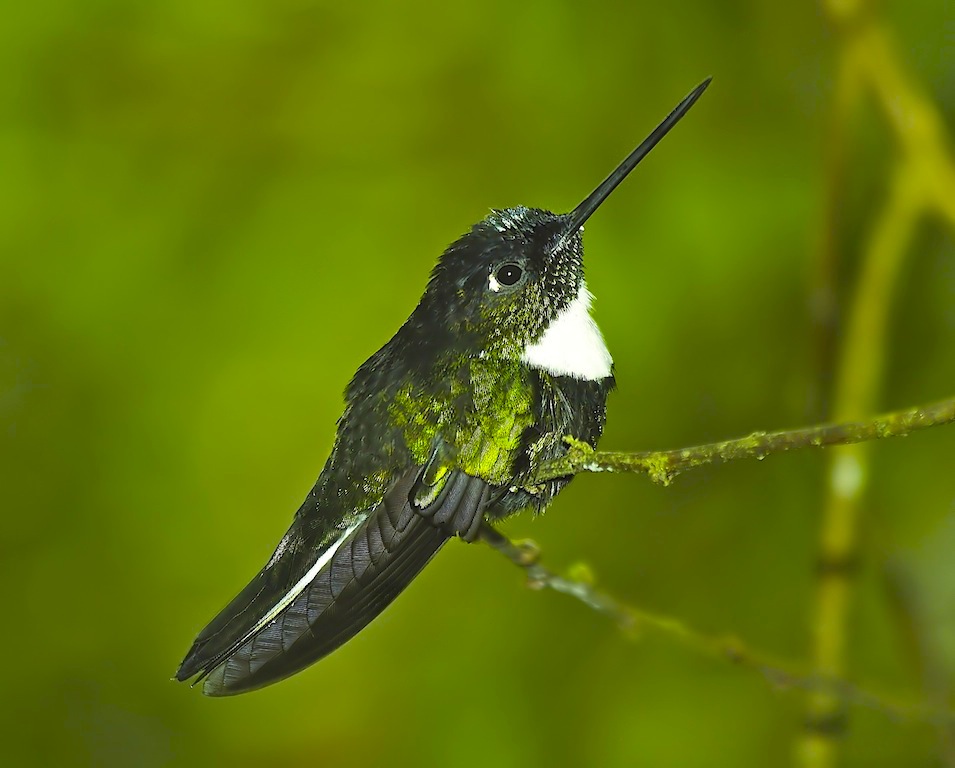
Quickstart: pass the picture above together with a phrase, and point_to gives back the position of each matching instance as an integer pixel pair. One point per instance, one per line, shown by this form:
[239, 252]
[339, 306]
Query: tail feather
[309, 600]
[316, 623]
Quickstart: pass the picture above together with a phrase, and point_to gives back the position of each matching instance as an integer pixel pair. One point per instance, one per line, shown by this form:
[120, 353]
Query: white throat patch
[572, 344]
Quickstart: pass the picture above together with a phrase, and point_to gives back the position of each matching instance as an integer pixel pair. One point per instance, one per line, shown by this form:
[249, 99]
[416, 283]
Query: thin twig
[664, 466]
[633, 621]
[526, 555]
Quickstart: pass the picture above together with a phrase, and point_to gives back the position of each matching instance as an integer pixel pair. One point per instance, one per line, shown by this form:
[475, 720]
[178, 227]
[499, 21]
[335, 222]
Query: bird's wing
[310, 599]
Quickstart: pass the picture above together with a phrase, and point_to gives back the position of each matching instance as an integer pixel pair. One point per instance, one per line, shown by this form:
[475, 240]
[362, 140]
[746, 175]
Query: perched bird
[443, 429]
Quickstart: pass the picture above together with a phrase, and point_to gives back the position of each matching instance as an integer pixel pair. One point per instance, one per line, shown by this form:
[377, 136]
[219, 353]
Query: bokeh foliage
[213, 212]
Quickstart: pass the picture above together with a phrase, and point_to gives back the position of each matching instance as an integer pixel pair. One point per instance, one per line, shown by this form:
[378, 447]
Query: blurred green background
[213, 212]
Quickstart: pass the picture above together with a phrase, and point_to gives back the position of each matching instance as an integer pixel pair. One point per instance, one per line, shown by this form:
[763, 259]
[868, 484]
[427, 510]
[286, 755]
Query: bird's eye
[509, 274]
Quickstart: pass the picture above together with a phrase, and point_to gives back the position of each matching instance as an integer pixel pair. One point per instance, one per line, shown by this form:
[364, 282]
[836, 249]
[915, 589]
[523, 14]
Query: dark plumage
[443, 429]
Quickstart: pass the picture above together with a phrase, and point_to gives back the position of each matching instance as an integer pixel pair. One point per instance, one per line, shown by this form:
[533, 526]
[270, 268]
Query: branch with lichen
[579, 584]
[664, 466]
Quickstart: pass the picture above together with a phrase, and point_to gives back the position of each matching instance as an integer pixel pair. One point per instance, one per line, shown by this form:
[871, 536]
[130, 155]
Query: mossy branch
[664, 466]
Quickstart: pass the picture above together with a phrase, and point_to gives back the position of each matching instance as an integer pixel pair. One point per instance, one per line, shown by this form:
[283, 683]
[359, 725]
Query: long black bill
[582, 212]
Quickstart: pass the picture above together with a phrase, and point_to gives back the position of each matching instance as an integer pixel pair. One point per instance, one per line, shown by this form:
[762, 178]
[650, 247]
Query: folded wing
[312, 597]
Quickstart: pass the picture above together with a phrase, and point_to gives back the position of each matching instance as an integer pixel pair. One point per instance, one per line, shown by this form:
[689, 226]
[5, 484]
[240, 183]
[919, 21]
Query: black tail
[305, 603]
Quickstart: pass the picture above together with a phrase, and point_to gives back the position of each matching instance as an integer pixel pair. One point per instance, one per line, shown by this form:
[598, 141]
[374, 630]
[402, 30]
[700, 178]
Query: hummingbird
[443, 430]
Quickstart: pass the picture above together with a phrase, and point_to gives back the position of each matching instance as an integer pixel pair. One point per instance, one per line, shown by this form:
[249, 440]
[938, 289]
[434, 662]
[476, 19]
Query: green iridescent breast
[478, 408]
